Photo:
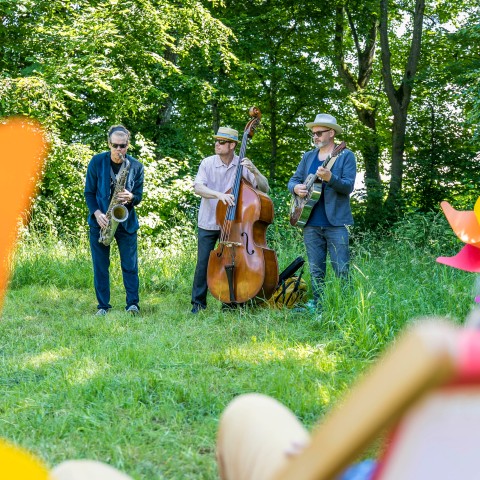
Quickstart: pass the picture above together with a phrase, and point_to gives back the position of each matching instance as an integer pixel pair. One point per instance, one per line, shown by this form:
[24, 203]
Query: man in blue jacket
[99, 187]
[325, 230]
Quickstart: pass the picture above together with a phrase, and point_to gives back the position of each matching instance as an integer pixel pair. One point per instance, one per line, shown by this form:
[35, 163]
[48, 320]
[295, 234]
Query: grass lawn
[144, 394]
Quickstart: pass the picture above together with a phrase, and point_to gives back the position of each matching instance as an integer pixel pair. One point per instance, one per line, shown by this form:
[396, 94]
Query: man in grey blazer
[326, 231]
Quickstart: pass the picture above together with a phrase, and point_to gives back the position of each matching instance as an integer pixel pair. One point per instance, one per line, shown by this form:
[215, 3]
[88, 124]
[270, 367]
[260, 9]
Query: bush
[60, 205]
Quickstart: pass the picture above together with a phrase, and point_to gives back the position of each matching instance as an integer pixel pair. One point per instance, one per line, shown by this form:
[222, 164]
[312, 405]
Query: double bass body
[242, 267]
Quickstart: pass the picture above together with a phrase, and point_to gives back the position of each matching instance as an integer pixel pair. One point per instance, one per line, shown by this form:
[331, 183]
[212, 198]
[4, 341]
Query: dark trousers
[127, 247]
[206, 243]
[319, 241]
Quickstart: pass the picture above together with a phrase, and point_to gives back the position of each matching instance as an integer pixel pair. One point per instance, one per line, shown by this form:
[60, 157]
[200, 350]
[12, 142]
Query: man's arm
[298, 178]
[262, 182]
[205, 192]
[90, 190]
[137, 190]
[91, 195]
[346, 181]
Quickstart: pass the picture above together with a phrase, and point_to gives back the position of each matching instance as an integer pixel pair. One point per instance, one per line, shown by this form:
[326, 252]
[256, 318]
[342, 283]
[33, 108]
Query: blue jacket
[337, 190]
[97, 188]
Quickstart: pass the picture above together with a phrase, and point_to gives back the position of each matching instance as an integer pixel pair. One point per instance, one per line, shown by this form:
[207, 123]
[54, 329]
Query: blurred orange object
[24, 149]
[464, 224]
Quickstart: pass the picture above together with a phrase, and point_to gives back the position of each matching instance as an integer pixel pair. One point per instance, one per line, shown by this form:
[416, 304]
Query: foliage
[168, 195]
[59, 206]
[168, 200]
[172, 72]
[465, 66]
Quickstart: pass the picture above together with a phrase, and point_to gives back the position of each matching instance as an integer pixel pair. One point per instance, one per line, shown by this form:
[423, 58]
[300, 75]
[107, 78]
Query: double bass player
[215, 176]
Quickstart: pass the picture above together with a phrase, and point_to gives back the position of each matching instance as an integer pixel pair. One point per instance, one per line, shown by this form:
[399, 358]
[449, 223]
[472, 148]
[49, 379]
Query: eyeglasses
[118, 145]
[319, 133]
[222, 142]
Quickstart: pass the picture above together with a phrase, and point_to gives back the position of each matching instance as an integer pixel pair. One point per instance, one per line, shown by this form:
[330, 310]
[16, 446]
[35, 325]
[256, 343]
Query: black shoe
[197, 307]
[226, 307]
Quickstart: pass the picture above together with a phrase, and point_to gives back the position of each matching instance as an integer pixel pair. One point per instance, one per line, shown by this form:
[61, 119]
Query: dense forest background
[402, 78]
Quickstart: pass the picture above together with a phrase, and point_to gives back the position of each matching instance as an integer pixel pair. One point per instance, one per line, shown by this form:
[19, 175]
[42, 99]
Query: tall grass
[145, 394]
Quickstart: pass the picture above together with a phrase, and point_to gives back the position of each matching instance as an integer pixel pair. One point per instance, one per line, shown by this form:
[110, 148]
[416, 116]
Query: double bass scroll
[242, 267]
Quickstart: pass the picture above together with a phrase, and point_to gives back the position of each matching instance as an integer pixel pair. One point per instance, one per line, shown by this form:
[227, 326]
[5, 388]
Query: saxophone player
[100, 185]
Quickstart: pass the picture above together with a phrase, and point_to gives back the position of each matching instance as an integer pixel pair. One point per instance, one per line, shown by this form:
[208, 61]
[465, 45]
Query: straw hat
[325, 120]
[225, 133]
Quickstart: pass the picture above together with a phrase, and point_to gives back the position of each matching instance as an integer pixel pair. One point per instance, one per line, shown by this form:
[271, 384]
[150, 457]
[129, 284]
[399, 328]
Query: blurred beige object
[427, 386]
[86, 470]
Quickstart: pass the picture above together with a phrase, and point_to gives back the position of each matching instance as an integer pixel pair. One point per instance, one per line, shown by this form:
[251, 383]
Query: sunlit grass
[145, 394]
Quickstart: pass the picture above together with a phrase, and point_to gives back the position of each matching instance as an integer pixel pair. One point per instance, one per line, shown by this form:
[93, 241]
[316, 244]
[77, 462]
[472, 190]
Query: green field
[144, 394]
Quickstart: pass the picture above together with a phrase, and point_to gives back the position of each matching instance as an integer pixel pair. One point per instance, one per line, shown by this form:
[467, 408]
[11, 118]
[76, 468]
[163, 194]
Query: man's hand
[301, 190]
[226, 198]
[324, 174]
[125, 197]
[101, 218]
[248, 164]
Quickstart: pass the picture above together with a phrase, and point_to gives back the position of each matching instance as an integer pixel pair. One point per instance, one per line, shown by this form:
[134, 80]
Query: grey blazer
[337, 190]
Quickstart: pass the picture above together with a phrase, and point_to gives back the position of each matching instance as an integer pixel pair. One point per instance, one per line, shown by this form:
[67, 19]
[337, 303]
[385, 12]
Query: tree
[362, 21]
[399, 97]
[278, 71]
[465, 65]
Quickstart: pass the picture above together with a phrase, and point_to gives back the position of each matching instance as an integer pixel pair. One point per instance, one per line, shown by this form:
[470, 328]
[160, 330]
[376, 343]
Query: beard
[319, 144]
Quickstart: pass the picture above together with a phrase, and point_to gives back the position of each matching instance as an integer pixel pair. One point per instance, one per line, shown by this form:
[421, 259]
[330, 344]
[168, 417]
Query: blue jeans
[319, 241]
[206, 243]
[127, 247]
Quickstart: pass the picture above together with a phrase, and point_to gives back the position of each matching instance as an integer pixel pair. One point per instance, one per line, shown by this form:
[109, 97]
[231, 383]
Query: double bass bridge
[229, 244]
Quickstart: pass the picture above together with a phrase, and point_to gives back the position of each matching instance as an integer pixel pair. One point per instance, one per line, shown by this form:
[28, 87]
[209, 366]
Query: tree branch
[343, 70]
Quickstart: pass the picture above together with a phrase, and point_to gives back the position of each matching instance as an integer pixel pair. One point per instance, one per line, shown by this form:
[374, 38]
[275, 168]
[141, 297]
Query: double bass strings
[230, 214]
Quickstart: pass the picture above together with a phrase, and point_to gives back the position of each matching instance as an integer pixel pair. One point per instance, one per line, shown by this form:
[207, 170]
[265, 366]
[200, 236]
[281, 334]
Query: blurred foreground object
[426, 389]
[24, 149]
[466, 225]
[16, 464]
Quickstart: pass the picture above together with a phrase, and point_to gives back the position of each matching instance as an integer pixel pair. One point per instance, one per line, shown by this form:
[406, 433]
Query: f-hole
[243, 234]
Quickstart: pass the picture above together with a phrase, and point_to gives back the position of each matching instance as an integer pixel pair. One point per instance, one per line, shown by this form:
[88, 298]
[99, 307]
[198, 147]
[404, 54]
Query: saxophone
[116, 213]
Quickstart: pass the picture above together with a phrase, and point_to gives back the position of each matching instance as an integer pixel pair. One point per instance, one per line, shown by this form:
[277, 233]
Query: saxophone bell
[119, 213]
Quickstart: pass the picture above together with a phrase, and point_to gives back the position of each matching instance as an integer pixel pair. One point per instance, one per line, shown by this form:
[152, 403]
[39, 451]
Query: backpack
[291, 289]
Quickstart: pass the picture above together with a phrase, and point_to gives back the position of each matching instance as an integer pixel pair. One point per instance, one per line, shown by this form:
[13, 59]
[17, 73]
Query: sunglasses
[319, 133]
[118, 145]
[222, 142]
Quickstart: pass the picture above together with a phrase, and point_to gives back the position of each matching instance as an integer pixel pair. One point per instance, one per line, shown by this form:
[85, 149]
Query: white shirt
[214, 174]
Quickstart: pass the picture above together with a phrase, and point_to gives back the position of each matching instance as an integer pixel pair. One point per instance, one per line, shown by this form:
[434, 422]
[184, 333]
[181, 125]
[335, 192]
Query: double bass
[242, 267]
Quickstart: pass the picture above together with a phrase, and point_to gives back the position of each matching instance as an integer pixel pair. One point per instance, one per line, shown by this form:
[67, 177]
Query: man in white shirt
[215, 176]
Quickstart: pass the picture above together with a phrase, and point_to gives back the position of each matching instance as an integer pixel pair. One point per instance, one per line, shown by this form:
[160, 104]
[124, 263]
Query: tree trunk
[273, 134]
[399, 100]
[215, 116]
[393, 204]
[373, 182]
[366, 112]
[165, 111]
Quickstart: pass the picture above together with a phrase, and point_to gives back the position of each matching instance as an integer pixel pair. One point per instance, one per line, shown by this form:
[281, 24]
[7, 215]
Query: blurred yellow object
[17, 464]
[476, 209]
